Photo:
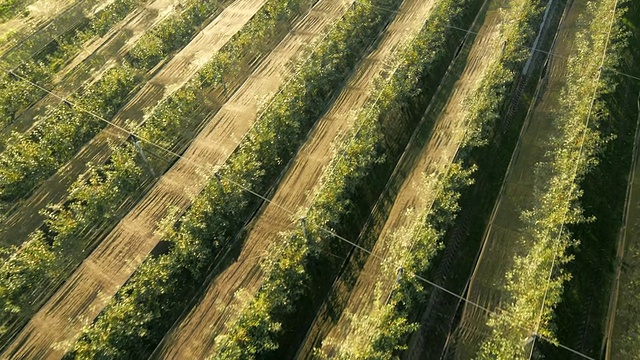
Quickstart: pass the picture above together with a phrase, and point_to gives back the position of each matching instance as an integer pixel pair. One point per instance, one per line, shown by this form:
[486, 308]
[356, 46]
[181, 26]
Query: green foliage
[254, 332]
[221, 209]
[182, 109]
[17, 94]
[415, 244]
[382, 332]
[375, 335]
[172, 33]
[287, 263]
[138, 311]
[248, 43]
[31, 157]
[9, 8]
[104, 19]
[39, 263]
[19, 274]
[95, 199]
[169, 119]
[535, 287]
[484, 106]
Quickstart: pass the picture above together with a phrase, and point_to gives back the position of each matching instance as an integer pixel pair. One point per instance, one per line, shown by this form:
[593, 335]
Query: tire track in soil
[193, 336]
[88, 290]
[436, 154]
[25, 218]
[500, 245]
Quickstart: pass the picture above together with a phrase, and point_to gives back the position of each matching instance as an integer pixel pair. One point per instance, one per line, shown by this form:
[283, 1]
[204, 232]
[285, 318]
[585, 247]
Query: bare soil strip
[88, 290]
[502, 235]
[193, 337]
[26, 218]
[436, 155]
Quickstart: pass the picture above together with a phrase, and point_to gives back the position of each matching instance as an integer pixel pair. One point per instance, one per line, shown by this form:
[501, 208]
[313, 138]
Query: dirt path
[430, 157]
[500, 244]
[25, 218]
[87, 291]
[193, 336]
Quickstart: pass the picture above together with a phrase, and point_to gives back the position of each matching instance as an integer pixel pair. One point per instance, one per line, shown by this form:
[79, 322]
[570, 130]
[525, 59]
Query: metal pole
[134, 139]
[303, 222]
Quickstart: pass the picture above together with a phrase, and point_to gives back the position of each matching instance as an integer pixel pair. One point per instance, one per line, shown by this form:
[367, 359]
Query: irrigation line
[575, 174]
